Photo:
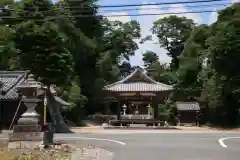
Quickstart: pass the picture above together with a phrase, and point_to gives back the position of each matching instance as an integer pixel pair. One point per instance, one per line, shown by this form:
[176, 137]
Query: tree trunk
[57, 119]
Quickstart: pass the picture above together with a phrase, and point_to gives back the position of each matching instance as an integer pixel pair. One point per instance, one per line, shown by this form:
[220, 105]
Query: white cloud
[235, 1]
[146, 24]
[124, 18]
[213, 17]
[179, 8]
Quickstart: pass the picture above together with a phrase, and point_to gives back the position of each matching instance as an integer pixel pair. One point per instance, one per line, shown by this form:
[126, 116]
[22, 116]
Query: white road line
[97, 139]
[221, 141]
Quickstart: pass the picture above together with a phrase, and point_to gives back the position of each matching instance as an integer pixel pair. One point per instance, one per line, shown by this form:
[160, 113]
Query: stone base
[25, 136]
[26, 128]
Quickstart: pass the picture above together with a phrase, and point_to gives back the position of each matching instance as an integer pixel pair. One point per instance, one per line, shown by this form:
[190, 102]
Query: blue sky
[146, 21]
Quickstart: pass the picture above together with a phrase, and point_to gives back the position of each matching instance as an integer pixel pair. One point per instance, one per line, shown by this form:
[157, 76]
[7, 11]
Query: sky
[147, 21]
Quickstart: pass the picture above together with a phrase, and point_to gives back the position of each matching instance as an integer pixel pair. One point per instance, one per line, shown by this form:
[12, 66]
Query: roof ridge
[121, 81]
[131, 75]
[12, 72]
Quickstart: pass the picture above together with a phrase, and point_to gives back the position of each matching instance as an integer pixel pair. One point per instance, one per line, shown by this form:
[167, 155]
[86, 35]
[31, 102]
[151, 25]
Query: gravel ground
[92, 154]
[82, 150]
[86, 151]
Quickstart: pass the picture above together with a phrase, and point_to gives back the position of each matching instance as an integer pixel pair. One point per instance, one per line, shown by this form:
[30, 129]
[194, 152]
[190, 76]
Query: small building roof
[187, 106]
[9, 81]
[137, 81]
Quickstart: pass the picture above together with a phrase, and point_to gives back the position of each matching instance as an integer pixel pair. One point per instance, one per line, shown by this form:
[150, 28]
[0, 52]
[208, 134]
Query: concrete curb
[126, 131]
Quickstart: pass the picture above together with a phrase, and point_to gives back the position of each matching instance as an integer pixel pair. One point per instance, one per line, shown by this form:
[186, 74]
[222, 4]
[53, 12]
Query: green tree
[172, 32]
[42, 51]
[116, 45]
[6, 12]
[162, 73]
[156, 70]
[191, 63]
[7, 48]
[149, 58]
[224, 49]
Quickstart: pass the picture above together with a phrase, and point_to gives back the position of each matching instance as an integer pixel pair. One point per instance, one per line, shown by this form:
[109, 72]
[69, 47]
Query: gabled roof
[10, 79]
[137, 81]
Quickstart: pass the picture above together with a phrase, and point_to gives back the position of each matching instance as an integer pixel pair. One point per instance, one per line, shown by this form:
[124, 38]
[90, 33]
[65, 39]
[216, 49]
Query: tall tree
[191, 63]
[7, 49]
[6, 12]
[156, 70]
[172, 32]
[42, 50]
[115, 47]
[224, 58]
[149, 58]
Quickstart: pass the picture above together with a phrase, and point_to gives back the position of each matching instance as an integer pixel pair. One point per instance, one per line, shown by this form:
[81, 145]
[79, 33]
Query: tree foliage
[81, 54]
[149, 58]
[43, 52]
[224, 53]
[172, 32]
[205, 60]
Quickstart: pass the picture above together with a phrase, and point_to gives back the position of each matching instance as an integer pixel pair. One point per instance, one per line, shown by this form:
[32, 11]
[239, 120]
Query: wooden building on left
[10, 98]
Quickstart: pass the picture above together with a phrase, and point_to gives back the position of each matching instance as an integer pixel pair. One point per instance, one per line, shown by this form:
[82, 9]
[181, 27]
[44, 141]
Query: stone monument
[28, 127]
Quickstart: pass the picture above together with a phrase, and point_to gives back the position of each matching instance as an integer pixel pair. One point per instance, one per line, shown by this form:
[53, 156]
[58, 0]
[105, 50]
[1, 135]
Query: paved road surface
[166, 146]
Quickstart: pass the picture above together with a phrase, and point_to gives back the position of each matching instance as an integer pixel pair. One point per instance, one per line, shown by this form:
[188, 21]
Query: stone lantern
[28, 127]
[124, 109]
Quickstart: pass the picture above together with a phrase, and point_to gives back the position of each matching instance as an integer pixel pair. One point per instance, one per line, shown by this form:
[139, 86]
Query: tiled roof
[138, 86]
[187, 106]
[10, 79]
[137, 82]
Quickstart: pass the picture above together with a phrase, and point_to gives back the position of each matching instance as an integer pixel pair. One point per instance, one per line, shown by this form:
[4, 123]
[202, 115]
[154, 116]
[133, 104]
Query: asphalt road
[164, 146]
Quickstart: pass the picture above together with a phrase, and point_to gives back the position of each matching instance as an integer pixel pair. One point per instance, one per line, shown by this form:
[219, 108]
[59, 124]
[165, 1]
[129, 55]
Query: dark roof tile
[10, 79]
[138, 81]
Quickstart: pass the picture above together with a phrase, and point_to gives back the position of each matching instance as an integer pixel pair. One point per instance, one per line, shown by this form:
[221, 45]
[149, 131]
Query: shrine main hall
[138, 96]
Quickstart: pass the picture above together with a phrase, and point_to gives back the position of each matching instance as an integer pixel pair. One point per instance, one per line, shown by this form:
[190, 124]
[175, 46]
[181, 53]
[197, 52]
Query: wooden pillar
[155, 110]
[179, 118]
[118, 110]
[197, 118]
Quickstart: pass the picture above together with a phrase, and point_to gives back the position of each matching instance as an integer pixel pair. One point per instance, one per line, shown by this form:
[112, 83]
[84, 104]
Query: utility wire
[162, 8]
[120, 15]
[151, 4]
[66, 5]
[134, 9]
[156, 14]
